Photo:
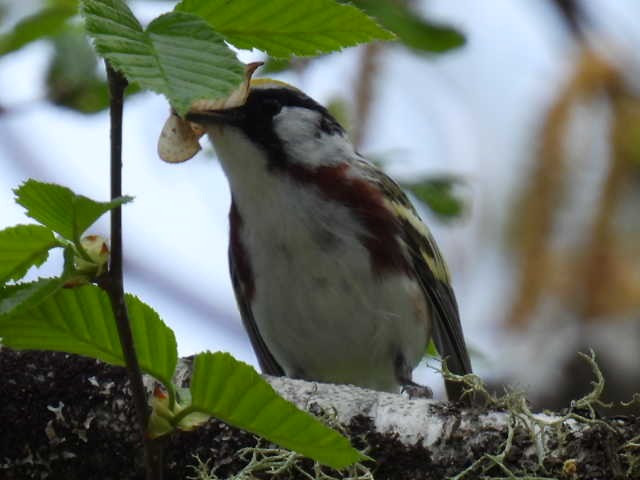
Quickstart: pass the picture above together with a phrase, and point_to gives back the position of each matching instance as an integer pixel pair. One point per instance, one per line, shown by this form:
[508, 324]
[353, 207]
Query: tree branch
[77, 421]
[113, 282]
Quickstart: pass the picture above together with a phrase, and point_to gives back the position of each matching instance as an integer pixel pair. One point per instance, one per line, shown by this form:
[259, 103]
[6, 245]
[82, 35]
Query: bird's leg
[408, 386]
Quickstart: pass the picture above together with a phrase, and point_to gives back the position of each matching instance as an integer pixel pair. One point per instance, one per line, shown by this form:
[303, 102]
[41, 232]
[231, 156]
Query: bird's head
[282, 123]
[282, 151]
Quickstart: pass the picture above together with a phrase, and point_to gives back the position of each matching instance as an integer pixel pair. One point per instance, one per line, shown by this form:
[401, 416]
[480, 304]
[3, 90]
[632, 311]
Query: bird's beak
[179, 137]
[225, 111]
[229, 116]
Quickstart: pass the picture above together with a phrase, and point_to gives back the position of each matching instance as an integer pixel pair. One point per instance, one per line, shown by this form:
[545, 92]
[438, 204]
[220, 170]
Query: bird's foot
[415, 390]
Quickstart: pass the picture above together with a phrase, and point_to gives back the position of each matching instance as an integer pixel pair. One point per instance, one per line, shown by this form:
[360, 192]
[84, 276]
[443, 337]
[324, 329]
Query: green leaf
[22, 247]
[412, 30]
[72, 79]
[276, 65]
[155, 342]
[438, 195]
[179, 55]
[77, 320]
[14, 298]
[431, 350]
[47, 22]
[80, 320]
[234, 392]
[60, 209]
[283, 28]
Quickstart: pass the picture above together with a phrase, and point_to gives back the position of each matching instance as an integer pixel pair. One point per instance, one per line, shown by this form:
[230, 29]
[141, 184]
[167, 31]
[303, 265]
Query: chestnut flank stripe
[239, 254]
[365, 200]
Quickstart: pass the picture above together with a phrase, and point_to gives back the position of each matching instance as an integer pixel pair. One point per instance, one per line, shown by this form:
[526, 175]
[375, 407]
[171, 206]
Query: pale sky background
[473, 113]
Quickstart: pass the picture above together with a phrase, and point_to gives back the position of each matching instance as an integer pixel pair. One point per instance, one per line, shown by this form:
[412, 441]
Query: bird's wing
[267, 363]
[433, 275]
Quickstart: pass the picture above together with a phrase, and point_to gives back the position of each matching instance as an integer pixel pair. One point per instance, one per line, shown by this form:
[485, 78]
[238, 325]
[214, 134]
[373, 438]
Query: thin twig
[112, 282]
[365, 90]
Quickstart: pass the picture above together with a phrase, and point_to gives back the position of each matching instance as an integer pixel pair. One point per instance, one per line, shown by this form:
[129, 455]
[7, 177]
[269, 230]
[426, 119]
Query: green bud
[98, 251]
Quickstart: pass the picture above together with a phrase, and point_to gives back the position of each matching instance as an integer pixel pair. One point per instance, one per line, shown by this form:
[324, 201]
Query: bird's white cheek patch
[179, 139]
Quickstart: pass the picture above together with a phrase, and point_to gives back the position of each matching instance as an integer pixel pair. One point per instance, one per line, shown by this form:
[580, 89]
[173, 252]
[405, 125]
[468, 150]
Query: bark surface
[69, 417]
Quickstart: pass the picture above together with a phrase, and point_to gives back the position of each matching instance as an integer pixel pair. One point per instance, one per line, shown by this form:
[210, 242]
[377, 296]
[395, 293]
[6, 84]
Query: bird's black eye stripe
[330, 126]
[270, 101]
[259, 110]
[285, 97]
[271, 106]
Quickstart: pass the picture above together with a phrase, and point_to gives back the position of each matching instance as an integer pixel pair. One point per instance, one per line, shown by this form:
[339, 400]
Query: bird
[336, 277]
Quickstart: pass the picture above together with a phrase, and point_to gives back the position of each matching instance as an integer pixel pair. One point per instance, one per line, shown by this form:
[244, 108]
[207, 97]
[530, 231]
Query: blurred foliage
[49, 21]
[339, 108]
[72, 79]
[412, 30]
[437, 193]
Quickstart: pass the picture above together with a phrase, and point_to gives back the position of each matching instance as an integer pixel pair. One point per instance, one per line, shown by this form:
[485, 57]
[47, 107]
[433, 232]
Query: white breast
[320, 310]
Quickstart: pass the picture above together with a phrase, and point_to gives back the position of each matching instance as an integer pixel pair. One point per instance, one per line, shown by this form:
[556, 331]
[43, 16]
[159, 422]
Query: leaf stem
[80, 250]
[113, 282]
[77, 234]
[184, 413]
[171, 390]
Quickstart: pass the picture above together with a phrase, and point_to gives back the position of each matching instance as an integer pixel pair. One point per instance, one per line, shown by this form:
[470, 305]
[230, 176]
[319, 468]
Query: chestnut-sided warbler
[336, 277]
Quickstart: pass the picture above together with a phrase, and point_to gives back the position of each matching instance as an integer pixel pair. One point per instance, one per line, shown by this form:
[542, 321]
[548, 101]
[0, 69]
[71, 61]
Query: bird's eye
[271, 107]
